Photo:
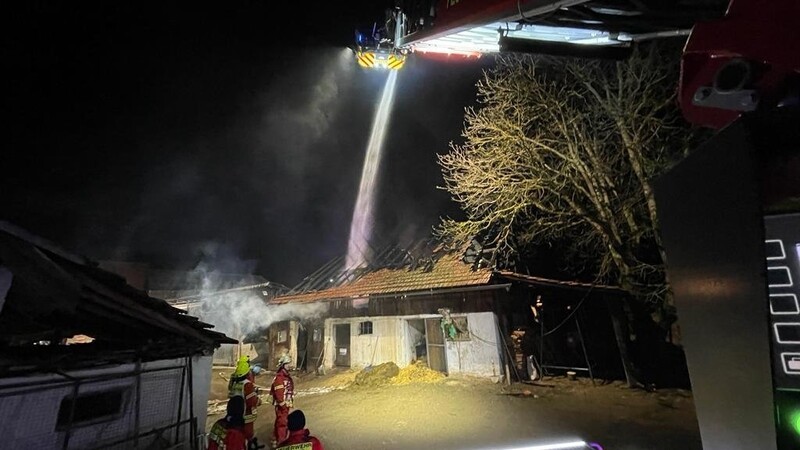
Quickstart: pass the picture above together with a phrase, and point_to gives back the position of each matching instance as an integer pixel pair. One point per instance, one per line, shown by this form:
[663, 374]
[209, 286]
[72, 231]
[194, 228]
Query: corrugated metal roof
[447, 272]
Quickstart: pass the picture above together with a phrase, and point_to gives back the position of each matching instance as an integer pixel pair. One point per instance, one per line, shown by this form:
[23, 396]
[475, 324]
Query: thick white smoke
[241, 314]
[226, 302]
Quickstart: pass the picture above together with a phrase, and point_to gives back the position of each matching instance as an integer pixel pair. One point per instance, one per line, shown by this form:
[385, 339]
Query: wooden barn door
[437, 360]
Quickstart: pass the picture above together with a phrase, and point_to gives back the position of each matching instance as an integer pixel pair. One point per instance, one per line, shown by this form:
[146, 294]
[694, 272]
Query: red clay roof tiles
[448, 272]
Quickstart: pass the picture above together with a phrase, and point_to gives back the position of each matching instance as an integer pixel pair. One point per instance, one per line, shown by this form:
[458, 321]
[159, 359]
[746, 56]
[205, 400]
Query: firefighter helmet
[284, 360]
[242, 367]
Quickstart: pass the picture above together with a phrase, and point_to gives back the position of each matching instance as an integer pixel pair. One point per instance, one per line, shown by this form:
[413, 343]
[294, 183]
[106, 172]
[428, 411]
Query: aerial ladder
[729, 213]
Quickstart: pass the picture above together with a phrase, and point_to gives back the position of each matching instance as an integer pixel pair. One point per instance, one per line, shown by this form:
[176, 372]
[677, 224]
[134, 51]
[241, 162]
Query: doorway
[302, 348]
[417, 343]
[342, 342]
[426, 343]
[278, 341]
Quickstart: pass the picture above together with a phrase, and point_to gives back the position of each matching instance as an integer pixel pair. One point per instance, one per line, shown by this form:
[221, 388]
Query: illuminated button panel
[783, 304]
[782, 251]
[791, 363]
[787, 333]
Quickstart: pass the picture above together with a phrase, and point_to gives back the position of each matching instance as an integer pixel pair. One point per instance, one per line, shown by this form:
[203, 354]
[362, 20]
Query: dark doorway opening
[302, 348]
[342, 336]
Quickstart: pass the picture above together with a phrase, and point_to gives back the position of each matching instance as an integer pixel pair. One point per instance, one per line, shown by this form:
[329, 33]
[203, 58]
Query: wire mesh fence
[126, 406]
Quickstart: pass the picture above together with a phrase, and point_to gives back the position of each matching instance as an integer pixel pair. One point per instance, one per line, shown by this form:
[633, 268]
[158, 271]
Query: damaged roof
[54, 295]
[448, 271]
[429, 266]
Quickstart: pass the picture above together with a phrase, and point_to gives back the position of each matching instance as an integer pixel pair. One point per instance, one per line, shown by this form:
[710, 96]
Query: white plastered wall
[481, 354]
[368, 349]
[293, 333]
[393, 340]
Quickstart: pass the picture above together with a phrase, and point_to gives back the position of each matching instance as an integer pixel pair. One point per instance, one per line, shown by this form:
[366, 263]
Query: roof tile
[448, 272]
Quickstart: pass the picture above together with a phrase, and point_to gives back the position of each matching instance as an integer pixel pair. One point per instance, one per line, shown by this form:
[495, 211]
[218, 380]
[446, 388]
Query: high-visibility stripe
[396, 62]
[302, 446]
[237, 388]
[366, 59]
[217, 434]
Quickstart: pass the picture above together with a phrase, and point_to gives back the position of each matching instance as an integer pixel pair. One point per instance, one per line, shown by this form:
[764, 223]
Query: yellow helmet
[242, 367]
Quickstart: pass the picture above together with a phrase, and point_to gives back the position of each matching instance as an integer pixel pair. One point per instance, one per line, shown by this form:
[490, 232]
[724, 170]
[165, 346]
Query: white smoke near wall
[236, 302]
[244, 314]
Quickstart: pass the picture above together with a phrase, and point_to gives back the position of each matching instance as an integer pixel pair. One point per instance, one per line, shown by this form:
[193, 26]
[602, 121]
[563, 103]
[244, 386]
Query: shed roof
[54, 295]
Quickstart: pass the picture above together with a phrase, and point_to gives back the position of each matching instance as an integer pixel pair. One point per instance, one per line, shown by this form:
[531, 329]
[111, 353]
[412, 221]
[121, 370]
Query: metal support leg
[583, 346]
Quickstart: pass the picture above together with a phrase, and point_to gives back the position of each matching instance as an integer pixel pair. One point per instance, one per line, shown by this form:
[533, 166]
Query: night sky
[160, 134]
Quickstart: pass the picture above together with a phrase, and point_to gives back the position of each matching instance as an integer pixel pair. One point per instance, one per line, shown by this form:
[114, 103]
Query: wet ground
[477, 414]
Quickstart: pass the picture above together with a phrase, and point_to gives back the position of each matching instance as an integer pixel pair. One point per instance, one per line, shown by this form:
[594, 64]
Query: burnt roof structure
[421, 255]
[447, 271]
[48, 295]
[426, 267]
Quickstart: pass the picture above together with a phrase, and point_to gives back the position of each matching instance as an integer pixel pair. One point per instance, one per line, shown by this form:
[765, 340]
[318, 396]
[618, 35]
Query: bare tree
[563, 152]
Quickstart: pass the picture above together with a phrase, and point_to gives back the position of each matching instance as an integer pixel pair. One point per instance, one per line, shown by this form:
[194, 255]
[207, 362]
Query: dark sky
[157, 133]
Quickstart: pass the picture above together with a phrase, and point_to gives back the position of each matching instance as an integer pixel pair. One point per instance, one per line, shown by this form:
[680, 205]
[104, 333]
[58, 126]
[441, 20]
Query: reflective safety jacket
[282, 390]
[243, 386]
[223, 438]
[301, 440]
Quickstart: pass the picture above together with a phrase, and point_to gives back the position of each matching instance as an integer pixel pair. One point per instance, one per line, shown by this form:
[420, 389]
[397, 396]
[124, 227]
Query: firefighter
[299, 436]
[282, 392]
[241, 385]
[228, 432]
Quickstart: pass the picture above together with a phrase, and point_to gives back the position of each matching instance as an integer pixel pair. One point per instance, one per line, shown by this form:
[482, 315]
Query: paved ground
[476, 414]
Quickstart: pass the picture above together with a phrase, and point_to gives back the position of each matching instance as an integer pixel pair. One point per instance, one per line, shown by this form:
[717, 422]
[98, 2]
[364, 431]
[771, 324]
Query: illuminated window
[365, 328]
[90, 408]
[283, 335]
[317, 335]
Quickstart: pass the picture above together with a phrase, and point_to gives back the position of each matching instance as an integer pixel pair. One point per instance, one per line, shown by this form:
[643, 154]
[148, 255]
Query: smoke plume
[243, 314]
[235, 302]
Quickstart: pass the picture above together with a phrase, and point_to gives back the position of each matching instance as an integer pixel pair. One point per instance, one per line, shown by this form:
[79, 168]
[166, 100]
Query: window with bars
[365, 327]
